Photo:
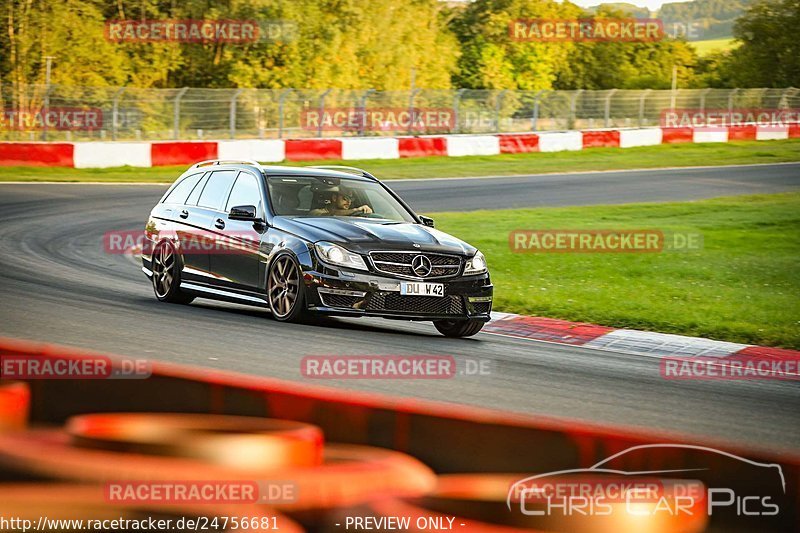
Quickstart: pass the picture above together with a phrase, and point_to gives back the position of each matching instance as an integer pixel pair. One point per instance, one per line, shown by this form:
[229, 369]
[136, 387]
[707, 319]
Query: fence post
[497, 106]
[783, 103]
[535, 116]
[703, 94]
[642, 99]
[573, 109]
[456, 108]
[232, 117]
[115, 113]
[363, 106]
[176, 108]
[608, 108]
[281, 101]
[322, 111]
[411, 110]
[730, 99]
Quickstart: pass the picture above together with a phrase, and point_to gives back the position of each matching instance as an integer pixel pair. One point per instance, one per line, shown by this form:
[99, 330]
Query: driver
[340, 206]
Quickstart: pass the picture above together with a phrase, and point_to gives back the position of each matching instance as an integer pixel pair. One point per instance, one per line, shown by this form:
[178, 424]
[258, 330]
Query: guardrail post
[232, 117]
[642, 100]
[456, 108]
[281, 102]
[176, 109]
[115, 113]
[607, 115]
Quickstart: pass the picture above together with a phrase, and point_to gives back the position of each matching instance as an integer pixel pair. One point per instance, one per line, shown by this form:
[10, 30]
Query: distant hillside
[704, 19]
[635, 11]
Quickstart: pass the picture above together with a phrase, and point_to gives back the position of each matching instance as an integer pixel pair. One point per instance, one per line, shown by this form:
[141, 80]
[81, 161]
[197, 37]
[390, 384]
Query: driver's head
[342, 199]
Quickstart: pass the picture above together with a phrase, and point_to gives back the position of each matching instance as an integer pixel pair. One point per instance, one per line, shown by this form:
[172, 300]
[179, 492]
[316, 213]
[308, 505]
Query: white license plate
[415, 288]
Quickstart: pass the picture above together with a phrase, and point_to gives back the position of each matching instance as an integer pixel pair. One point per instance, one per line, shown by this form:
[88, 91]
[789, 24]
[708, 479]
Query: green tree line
[379, 44]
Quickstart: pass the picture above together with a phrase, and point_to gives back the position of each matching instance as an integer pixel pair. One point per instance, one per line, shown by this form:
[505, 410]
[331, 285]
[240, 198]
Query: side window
[216, 189]
[179, 193]
[245, 192]
[192, 200]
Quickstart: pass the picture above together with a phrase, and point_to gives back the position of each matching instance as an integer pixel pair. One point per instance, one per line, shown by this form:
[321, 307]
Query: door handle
[184, 214]
[220, 224]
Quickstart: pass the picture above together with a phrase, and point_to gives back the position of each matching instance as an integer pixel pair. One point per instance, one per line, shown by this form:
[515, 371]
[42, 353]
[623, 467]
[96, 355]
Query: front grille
[420, 305]
[399, 264]
[482, 307]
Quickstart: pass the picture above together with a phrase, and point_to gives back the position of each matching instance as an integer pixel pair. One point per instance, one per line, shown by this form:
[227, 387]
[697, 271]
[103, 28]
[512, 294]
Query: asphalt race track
[58, 285]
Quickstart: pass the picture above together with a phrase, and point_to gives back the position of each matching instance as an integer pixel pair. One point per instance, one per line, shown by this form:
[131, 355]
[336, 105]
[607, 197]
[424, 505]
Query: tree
[769, 54]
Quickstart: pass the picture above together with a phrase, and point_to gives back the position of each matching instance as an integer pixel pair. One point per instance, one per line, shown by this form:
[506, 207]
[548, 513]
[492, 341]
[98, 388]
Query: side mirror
[426, 221]
[243, 212]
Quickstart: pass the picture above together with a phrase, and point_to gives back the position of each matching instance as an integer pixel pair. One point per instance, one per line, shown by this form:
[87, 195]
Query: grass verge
[666, 155]
[743, 285]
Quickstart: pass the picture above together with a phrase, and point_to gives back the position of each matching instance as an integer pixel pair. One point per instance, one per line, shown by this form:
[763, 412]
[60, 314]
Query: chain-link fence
[60, 112]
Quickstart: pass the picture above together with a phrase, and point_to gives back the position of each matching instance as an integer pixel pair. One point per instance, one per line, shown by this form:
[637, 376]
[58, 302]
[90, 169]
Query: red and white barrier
[98, 154]
[461, 145]
[266, 151]
[147, 154]
[380, 148]
[558, 141]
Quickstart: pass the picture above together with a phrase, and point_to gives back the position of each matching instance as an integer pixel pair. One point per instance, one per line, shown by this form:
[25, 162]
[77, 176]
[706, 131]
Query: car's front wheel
[167, 275]
[285, 289]
[458, 328]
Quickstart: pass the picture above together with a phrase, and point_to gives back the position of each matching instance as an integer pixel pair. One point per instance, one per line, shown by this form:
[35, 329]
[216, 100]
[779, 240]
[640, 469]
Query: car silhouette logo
[416, 245]
[421, 266]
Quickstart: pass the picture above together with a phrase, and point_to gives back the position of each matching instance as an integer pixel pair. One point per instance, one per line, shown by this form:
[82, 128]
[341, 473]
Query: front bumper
[351, 293]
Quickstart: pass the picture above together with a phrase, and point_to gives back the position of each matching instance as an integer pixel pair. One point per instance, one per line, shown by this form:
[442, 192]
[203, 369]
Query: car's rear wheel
[458, 328]
[285, 290]
[167, 275]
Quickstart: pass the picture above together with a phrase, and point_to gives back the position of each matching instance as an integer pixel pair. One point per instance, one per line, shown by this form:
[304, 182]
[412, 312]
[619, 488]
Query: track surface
[57, 285]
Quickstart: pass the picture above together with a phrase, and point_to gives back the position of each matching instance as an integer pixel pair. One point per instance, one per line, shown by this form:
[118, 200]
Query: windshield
[318, 196]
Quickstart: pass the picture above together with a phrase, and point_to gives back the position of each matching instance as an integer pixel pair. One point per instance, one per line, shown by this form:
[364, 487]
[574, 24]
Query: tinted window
[179, 193]
[192, 200]
[216, 189]
[245, 192]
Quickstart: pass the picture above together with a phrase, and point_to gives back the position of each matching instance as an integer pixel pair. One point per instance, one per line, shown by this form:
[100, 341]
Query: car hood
[363, 235]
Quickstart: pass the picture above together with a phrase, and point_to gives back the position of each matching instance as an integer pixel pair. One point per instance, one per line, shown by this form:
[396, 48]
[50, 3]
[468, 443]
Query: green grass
[742, 286]
[706, 47]
[508, 164]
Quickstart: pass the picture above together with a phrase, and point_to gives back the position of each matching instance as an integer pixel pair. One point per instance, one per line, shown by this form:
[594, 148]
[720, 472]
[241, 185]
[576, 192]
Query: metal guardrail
[194, 114]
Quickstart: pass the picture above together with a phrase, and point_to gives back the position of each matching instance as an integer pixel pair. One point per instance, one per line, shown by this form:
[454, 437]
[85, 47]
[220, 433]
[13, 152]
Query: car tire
[458, 328]
[166, 267]
[285, 289]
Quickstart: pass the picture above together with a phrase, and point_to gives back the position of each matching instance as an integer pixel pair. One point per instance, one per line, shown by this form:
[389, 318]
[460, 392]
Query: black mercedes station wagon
[328, 240]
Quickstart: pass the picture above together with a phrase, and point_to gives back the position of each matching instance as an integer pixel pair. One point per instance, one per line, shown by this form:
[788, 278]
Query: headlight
[476, 265]
[336, 255]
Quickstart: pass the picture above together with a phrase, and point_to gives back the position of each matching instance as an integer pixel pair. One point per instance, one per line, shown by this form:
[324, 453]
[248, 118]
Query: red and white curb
[102, 154]
[629, 341]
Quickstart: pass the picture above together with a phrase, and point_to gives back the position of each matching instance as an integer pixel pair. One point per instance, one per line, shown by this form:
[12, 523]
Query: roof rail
[351, 170]
[224, 162]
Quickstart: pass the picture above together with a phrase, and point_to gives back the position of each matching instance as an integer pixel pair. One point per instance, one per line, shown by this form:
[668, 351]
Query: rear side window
[216, 189]
[245, 192]
[179, 193]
